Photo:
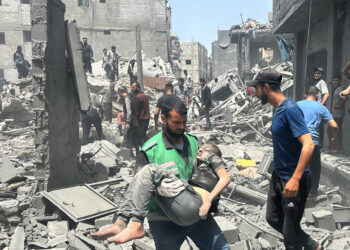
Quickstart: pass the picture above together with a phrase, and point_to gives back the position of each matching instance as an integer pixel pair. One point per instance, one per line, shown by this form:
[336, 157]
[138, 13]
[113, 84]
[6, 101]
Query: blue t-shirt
[288, 123]
[314, 114]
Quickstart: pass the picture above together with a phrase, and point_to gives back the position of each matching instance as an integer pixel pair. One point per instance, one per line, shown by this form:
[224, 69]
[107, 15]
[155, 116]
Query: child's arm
[224, 180]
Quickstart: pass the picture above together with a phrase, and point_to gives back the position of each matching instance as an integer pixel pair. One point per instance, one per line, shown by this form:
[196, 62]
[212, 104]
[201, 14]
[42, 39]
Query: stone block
[9, 207]
[56, 228]
[241, 245]
[106, 220]
[248, 230]
[229, 230]
[37, 202]
[324, 219]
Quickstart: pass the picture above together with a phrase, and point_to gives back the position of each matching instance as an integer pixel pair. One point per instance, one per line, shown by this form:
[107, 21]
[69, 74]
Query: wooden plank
[76, 65]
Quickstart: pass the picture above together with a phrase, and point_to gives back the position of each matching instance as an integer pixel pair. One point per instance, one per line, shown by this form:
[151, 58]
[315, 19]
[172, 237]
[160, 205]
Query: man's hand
[203, 106]
[204, 209]
[127, 126]
[170, 188]
[291, 189]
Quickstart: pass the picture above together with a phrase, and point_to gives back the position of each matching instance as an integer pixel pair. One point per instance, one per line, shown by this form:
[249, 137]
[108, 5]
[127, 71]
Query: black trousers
[87, 119]
[87, 66]
[315, 167]
[22, 70]
[131, 138]
[142, 131]
[107, 111]
[321, 134]
[284, 214]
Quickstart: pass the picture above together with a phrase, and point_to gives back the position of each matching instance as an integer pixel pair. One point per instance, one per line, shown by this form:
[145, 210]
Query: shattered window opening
[2, 74]
[2, 37]
[188, 62]
[25, 1]
[107, 32]
[27, 36]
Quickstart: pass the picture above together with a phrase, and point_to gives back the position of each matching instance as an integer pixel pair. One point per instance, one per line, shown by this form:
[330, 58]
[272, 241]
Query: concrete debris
[17, 240]
[324, 219]
[7, 170]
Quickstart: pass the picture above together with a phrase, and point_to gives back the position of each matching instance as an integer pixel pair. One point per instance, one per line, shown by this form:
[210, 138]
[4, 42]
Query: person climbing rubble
[168, 91]
[109, 95]
[184, 203]
[206, 102]
[181, 91]
[292, 148]
[20, 63]
[314, 115]
[88, 55]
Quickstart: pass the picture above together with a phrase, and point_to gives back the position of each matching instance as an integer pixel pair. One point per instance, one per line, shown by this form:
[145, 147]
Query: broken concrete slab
[9, 207]
[324, 219]
[7, 170]
[75, 243]
[241, 245]
[57, 228]
[229, 230]
[247, 231]
[16, 110]
[90, 242]
[309, 211]
[17, 239]
[105, 220]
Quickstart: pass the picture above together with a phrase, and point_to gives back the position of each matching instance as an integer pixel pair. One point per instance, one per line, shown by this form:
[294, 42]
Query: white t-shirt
[322, 87]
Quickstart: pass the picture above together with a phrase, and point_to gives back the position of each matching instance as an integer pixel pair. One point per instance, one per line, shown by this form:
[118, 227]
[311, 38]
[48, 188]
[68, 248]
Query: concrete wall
[120, 17]
[14, 18]
[198, 55]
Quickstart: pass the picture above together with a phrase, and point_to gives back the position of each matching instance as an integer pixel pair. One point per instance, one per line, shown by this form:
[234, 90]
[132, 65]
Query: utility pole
[139, 56]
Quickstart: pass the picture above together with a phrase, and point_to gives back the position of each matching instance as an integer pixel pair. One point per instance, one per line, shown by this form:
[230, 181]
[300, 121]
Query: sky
[199, 20]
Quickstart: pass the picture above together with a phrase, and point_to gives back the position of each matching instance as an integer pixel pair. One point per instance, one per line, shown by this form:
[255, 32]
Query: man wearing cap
[323, 95]
[292, 146]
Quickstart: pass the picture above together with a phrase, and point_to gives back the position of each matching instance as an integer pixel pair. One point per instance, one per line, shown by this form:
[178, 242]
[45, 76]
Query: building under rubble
[243, 46]
[14, 30]
[113, 22]
[322, 34]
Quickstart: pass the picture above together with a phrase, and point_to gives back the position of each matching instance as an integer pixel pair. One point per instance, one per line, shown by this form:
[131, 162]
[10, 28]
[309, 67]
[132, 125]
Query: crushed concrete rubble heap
[32, 218]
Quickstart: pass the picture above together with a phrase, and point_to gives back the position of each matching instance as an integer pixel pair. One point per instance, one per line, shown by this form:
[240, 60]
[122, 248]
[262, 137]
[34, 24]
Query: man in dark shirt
[143, 109]
[131, 70]
[173, 149]
[206, 102]
[88, 55]
[20, 63]
[168, 91]
[292, 148]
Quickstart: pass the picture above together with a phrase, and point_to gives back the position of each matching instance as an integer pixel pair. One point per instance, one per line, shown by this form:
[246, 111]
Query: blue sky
[199, 20]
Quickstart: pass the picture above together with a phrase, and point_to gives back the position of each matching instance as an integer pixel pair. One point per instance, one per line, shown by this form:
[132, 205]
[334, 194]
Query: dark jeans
[87, 66]
[321, 134]
[111, 73]
[315, 167]
[87, 119]
[132, 77]
[206, 234]
[142, 131]
[107, 111]
[207, 117]
[22, 70]
[339, 122]
[284, 214]
[131, 138]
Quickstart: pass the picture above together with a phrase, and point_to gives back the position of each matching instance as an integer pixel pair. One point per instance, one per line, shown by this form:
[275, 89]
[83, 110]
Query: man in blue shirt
[314, 114]
[293, 147]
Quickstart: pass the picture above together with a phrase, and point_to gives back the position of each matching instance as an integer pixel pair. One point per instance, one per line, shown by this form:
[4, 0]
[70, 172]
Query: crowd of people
[177, 183]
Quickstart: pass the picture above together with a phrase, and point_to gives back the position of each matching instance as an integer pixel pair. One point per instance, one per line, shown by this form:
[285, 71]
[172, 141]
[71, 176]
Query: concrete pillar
[56, 89]
[299, 66]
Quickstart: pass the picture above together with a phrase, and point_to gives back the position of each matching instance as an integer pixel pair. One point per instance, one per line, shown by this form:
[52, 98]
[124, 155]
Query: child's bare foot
[111, 231]
[133, 231]
[319, 247]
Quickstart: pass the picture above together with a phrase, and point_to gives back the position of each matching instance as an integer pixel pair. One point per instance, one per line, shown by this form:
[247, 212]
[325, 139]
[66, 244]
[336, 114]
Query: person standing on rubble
[314, 115]
[181, 91]
[174, 149]
[143, 109]
[109, 95]
[292, 148]
[206, 102]
[133, 78]
[88, 55]
[20, 63]
[113, 61]
[131, 118]
[91, 117]
[338, 109]
[323, 95]
[105, 65]
[168, 91]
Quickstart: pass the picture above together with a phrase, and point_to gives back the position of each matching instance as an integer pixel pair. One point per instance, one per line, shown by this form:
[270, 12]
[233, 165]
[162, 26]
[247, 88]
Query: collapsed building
[321, 30]
[243, 46]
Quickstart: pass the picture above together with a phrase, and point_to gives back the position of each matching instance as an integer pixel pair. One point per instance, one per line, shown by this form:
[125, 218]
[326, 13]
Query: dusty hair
[213, 148]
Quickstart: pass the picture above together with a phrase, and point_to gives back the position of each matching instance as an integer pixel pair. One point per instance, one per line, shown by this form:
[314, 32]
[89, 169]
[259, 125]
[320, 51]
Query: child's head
[207, 149]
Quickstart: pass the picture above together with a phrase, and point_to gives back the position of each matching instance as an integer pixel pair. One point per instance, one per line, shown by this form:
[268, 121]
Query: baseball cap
[267, 75]
[319, 69]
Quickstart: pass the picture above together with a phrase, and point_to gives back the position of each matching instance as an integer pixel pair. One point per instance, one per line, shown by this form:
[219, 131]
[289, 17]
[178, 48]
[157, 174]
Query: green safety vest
[170, 158]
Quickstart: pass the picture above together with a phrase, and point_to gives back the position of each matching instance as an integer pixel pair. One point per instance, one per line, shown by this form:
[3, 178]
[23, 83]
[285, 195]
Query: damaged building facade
[113, 22]
[14, 30]
[194, 59]
[242, 48]
[322, 34]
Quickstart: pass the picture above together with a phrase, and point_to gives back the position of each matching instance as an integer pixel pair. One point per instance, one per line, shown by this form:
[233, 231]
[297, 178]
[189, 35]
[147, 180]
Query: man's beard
[264, 98]
[172, 133]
